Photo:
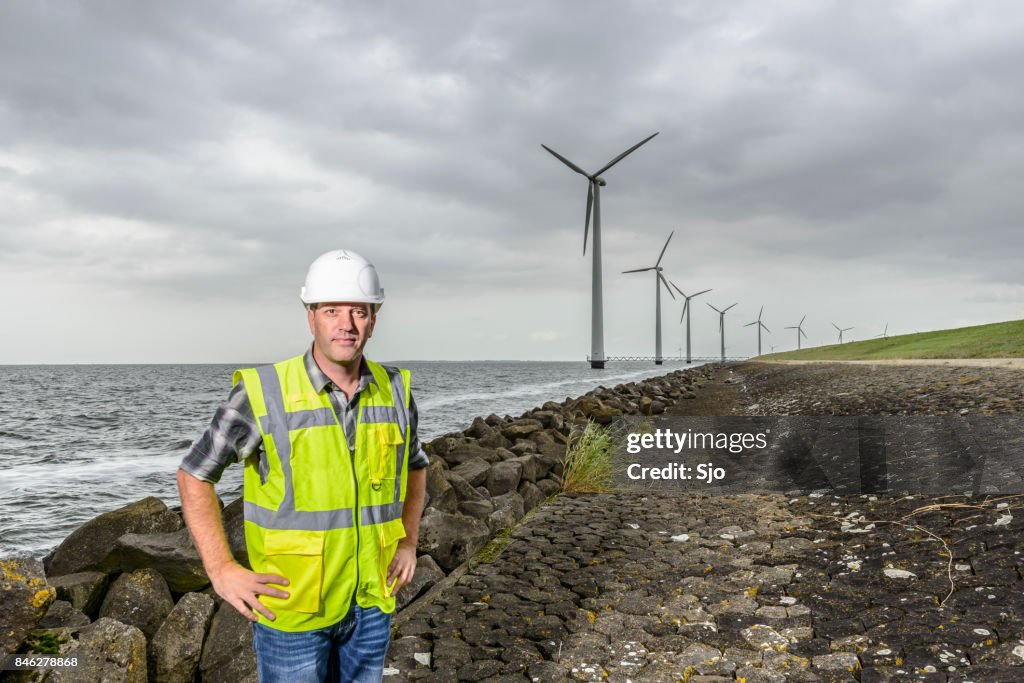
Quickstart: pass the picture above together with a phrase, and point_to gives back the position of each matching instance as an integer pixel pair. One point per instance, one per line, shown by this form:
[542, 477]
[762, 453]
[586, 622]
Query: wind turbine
[841, 330]
[659, 280]
[885, 332]
[721, 326]
[594, 184]
[686, 313]
[799, 331]
[759, 326]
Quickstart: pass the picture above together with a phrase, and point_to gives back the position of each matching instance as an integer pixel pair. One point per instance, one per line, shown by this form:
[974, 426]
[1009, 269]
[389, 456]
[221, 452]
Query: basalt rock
[90, 547]
[228, 656]
[473, 471]
[427, 574]
[84, 590]
[140, 598]
[442, 495]
[451, 539]
[173, 555]
[175, 649]
[24, 600]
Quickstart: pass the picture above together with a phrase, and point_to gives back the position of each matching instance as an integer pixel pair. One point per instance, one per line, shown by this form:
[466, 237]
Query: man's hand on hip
[242, 588]
[403, 566]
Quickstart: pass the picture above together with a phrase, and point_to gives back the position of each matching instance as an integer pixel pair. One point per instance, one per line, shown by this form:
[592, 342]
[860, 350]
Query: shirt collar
[321, 380]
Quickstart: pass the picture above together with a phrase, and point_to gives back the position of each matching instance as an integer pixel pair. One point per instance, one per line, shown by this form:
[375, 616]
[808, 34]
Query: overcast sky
[169, 170]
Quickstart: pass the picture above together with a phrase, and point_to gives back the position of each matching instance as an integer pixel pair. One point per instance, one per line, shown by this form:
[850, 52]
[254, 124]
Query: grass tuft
[588, 461]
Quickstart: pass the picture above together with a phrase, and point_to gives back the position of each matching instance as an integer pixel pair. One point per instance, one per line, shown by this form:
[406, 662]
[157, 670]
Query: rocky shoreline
[628, 586]
[125, 595]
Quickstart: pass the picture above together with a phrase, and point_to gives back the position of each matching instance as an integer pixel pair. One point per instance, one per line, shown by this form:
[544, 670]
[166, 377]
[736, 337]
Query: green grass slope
[995, 340]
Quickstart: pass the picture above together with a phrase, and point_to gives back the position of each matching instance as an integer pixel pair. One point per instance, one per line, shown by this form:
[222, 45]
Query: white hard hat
[342, 275]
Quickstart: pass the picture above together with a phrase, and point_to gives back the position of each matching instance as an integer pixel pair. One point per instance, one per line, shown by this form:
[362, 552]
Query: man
[334, 488]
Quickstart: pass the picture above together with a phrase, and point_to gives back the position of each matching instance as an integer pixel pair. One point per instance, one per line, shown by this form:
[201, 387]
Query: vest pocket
[296, 555]
[390, 534]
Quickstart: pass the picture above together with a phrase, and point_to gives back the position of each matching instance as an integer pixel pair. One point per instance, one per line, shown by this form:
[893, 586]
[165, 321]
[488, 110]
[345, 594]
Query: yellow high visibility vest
[326, 519]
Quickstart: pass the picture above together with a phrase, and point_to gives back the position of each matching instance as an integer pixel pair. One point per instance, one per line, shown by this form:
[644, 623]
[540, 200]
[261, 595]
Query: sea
[80, 440]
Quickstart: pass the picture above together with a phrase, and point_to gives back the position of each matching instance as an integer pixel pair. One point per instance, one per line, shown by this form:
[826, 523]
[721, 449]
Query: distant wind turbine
[686, 314]
[721, 326]
[594, 184]
[841, 330]
[759, 326]
[659, 280]
[799, 331]
[885, 332]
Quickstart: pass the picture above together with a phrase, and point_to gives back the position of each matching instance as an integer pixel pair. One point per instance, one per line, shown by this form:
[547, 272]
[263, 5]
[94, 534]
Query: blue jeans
[351, 651]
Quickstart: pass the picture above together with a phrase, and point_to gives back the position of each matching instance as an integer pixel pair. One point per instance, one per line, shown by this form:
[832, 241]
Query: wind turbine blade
[639, 270]
[802, 333]
[586, 222]
[566, 161]
[803, 319]
[679, 290]
[749, 324]
[730, 307]
[699, 293]
[662, 254]
[714, 309]
[760, 312]
[686, 307]
[765, 327]
[835, 326]
[665, 282]
[621, 156]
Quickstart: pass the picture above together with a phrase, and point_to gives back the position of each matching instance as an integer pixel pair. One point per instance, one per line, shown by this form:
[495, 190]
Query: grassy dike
[995, 340]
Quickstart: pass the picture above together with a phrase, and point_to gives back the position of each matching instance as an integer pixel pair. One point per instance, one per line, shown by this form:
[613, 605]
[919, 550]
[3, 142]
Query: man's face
[341, 330]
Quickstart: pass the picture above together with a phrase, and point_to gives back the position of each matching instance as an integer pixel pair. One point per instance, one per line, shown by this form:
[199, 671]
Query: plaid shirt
[234, 435]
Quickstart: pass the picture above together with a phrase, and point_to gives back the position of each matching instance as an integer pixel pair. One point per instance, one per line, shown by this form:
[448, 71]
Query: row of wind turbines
[595, 182]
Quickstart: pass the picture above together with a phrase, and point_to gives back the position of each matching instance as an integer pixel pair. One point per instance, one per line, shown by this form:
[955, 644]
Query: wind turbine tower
[686, 314]
[594, 184]
[799, 331]
[841, 330]
[759, 326]
[659, 280]
[721, 326]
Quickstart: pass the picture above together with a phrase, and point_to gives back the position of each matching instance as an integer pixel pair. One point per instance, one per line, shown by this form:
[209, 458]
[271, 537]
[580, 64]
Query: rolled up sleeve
[232, 436]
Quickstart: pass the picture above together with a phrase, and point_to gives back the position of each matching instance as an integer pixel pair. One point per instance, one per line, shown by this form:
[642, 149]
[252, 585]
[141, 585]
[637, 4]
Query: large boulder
[62, 614]
[551, 459]
[463, 489]
[140, 598]
[531, 468]
[90, 546]
[173, 555]
[504, 477]
[521, 428]
[473, 471]
[451, 539]
[228, 656]
[84, 590]
[24, 600]
[468, 450]
[481, 509]
[175, 649]
[427, 574]
[233, 518]
[508, 509]
[442, 495]
[531, 494]
[107, 650]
